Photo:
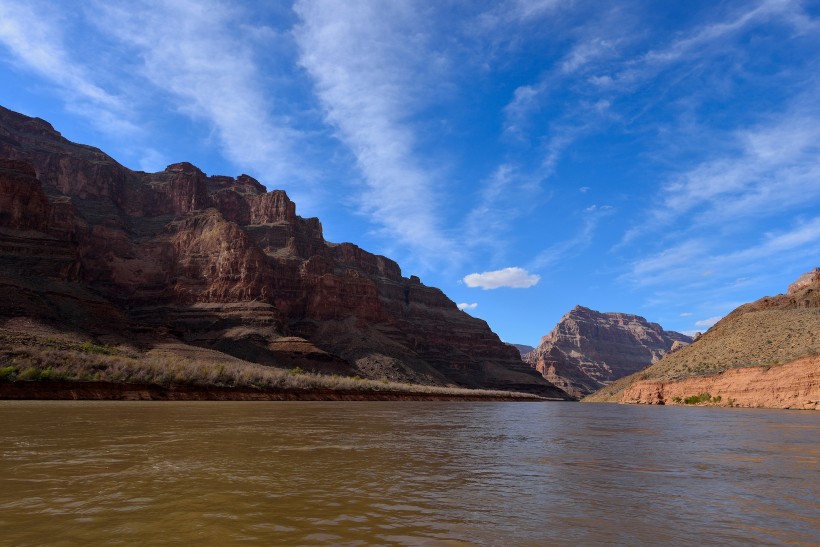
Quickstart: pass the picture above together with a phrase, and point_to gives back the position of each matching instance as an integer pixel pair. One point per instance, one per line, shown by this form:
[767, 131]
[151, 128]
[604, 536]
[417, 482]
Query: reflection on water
[405, 473]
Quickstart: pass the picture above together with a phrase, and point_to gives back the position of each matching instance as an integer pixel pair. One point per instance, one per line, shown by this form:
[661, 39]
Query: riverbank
[110, 391]
[794, 385]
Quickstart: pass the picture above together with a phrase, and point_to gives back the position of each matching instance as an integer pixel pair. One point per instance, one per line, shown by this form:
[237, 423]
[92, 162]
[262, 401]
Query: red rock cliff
[588, 349]
[222, 263]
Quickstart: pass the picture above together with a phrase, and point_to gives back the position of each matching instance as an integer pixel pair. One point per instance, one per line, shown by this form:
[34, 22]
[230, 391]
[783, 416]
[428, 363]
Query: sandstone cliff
[216, 262]
[761, 354]
[588, 349]
[794, 385]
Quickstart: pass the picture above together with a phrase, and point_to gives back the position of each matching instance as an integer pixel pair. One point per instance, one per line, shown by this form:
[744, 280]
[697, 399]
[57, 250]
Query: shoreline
[61, 390]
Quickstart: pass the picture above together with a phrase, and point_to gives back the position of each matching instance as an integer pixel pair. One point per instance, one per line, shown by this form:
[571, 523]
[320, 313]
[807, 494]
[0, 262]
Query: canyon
[588, 349]
[216, 266]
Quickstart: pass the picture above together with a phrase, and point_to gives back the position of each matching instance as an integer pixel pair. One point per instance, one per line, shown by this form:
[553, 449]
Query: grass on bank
[51, 360]
[700, 399]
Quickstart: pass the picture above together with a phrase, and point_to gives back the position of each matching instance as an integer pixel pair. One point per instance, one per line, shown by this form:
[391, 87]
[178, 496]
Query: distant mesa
[588, 349]
[190, 264]
[763, 354]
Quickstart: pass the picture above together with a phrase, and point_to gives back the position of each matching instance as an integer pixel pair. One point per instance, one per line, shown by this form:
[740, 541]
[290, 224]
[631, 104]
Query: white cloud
[776, 169]
[515, 278]
[373, 69]
[710, 39]
[687, 262]
[706, 323]
[515, 12]
[686, 314]
[466, 306]
[34, 33]
[585, 52]
[576, 244]
[505, 196]
[193, 51]
[709, 34]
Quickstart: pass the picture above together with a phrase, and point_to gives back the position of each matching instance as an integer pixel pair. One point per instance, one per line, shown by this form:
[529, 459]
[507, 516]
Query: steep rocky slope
[588, 349]
[220, 263]
[768, 344]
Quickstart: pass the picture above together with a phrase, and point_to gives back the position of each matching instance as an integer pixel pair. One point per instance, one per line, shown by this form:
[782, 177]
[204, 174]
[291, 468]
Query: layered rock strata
[794, 385]
[761, 354]
[218, 262]
[588, 349]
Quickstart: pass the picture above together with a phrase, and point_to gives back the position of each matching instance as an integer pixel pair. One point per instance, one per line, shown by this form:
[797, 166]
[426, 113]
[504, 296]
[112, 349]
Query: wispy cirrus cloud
[577, 243]
[514, 278]
[766, 170]
[374, 70]
[35, 37]
[699, 261]
[608, 61]
[709, 40]
[775, 169]
[197, 52]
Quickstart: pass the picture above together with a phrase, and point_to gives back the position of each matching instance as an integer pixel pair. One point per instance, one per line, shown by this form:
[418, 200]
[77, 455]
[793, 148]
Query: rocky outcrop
[794, 385]
[805, 281]
[588, 349]
[761, 354]
[219, 262]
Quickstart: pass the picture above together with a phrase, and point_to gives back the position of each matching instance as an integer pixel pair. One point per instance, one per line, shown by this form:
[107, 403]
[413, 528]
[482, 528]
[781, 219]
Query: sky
[648, 157]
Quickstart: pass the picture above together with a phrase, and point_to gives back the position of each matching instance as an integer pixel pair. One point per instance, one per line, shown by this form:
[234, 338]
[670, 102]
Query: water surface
[426, 473]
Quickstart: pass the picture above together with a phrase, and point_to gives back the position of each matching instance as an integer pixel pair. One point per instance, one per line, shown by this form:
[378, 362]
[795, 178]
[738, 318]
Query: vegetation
[703, 398]
[91, 347]
[29, 358]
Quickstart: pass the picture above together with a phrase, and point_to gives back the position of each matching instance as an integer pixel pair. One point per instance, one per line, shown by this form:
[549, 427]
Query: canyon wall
[219, 262]
[588, 349]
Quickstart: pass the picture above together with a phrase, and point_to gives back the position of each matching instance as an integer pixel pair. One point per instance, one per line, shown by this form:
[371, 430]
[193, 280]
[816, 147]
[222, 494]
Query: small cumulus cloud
[466, 306]
[583, 189]
[515, 278]
[706, 323]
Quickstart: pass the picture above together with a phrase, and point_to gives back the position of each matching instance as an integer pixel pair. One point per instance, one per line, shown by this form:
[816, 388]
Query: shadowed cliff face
[219, 262]
[588, 349]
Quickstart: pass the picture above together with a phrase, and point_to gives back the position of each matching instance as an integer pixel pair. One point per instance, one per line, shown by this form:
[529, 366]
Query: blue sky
[649, 157]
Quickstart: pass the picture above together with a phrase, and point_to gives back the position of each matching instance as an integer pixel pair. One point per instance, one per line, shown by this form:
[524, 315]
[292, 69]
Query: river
[414, 473]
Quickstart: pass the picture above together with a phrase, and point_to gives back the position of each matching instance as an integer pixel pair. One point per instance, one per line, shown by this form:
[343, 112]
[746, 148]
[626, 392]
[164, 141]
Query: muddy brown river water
[414, 473]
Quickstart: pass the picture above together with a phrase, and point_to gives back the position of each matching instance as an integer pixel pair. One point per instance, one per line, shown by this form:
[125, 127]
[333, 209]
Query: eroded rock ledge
[794, 385]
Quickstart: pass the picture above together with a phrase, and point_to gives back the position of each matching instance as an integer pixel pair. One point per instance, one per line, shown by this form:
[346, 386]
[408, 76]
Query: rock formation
[794, 385]
[523, 349]
[762, 354]
[220, 263]
[588, 349]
